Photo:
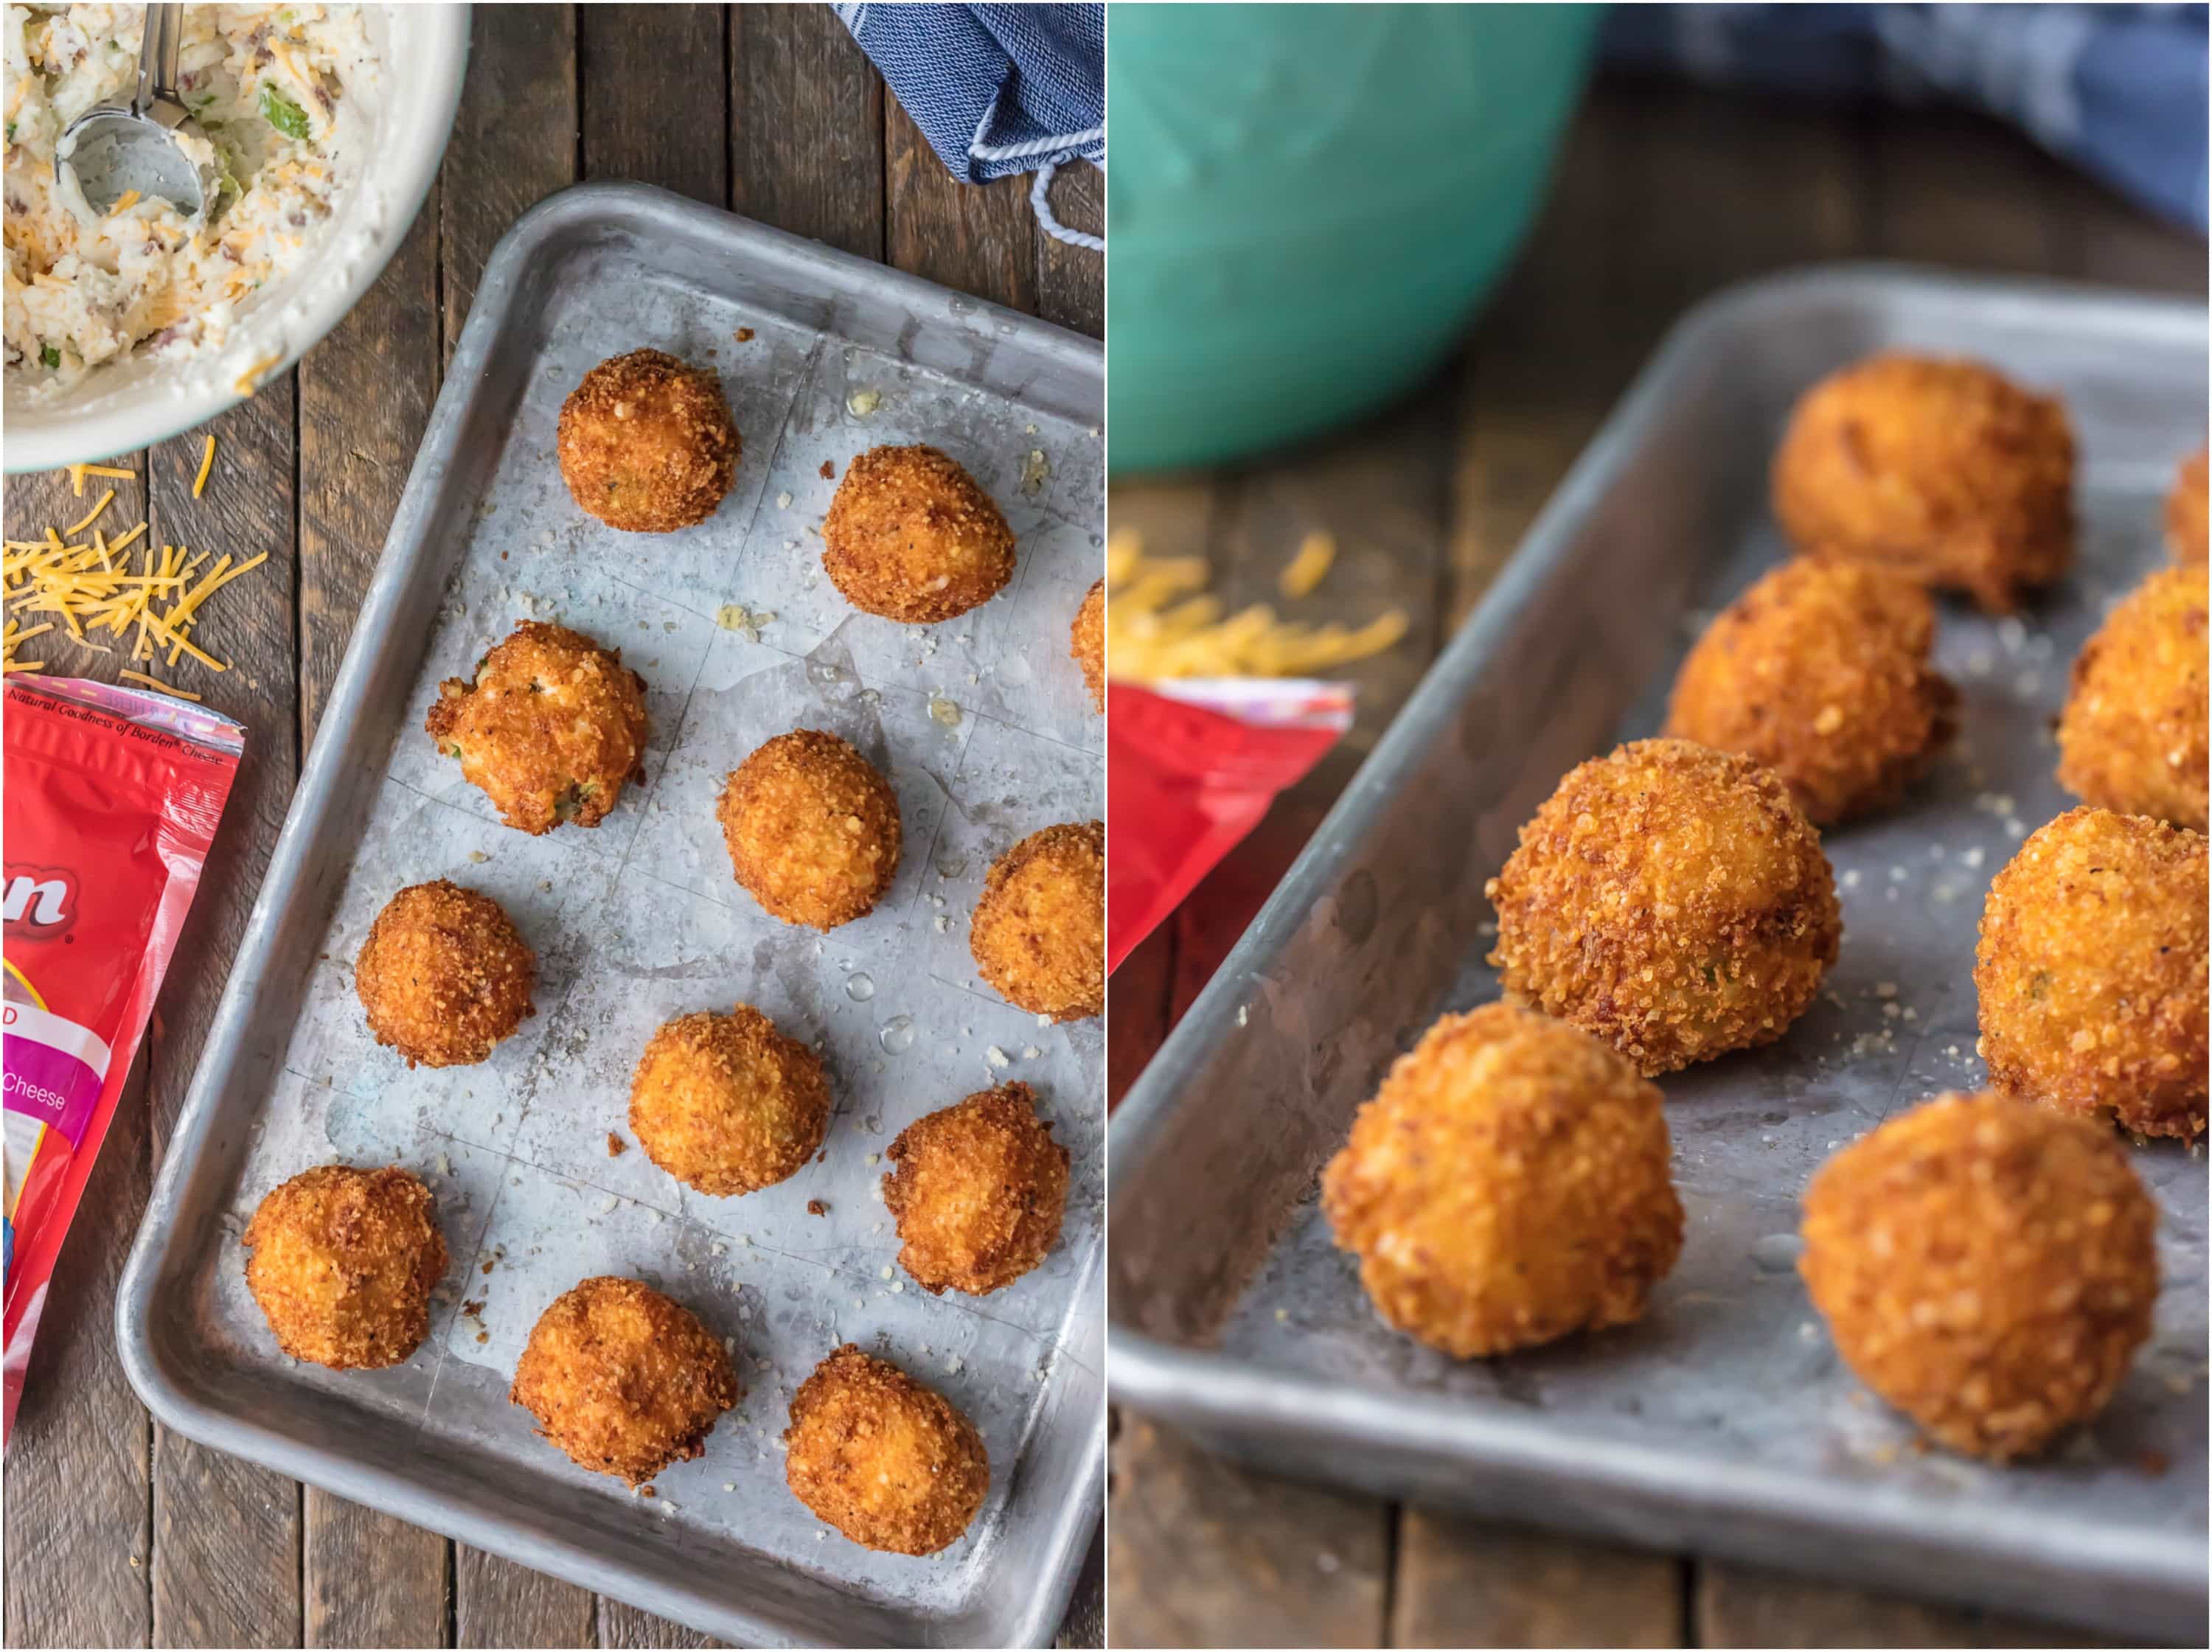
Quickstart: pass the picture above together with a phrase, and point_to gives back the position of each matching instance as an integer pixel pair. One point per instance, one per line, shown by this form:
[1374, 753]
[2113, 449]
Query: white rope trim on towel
[1040, 203]
[1034, 148]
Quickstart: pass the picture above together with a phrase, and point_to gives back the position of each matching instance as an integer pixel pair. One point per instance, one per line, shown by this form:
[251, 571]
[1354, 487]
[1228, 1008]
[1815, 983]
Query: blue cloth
[2118, 90]
[996, 89]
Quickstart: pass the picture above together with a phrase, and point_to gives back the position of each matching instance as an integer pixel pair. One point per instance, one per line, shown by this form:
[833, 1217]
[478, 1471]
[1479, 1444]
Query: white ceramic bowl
[130, 404]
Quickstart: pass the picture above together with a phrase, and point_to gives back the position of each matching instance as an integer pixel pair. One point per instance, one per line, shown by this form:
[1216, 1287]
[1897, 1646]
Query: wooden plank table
[118, 1533]
[1665, 193]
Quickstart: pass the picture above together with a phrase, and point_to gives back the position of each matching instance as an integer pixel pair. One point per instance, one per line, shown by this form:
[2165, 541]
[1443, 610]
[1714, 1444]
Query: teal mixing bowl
[1305, 204]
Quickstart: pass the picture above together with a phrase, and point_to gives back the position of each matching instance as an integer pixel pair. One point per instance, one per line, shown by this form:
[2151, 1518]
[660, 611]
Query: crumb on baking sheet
[615, 1146]
[816, 1207]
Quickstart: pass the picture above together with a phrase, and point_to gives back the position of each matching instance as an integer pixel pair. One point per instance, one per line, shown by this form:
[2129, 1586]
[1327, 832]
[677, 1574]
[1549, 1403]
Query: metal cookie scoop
[110, 151]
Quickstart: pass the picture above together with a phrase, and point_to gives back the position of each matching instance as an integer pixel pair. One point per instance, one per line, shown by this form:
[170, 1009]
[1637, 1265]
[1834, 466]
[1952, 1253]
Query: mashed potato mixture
[270, 88]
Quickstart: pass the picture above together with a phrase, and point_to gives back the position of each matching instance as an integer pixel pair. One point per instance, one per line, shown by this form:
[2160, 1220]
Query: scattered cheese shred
[206, 463]
[125, 203]
[91, 587]
[156, 683]
[78, 472]
[1302, 576]
[86, 521]
[1160, 622]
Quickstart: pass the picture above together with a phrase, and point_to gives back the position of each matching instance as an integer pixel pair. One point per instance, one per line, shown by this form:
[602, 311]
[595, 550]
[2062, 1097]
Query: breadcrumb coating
[1508, 1184]
[1670, 899]
[2132, 736]
[623, 1380]
[1039, 931]
[977, 1190]
[550, 727]
[727, 1103]
[892, 1464]
[2185, 511]
[1942, 471]
[911, 537]
[444, 977]
[1086, 641]
[342, 1262]
[1987, 1267]
[646, 443]
[2091, 972]
[1820, 672]
[812, 829]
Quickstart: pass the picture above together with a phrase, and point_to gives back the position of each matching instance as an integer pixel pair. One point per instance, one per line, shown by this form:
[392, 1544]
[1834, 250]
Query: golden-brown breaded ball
[2185, 511]
[1039, 931]
[1508, 1184]
[2091, 971]
[1086, 641]
[888, 1462]
[443, 975]
[2132, 735]
[1820, 672]
[1943, 470]
[342, 1262]
[1671, 899]
[550, 727]
[623, 1380]
[646, 443]
[727, 1103]
[977, 1190]
[1985, 1266]
[910, 536]
[812, 829]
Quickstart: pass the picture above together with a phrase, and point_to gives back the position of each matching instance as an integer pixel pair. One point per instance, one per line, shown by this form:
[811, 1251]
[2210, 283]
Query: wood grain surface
[1664, 194]
[118, 1534]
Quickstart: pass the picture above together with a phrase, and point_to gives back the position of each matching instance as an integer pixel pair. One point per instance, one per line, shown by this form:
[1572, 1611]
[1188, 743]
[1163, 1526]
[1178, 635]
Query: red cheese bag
[111, 802]
[1191, 766]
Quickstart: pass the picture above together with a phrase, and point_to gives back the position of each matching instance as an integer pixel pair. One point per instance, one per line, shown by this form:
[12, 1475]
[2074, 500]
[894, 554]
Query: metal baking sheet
[1724, 1422]
[987, 732]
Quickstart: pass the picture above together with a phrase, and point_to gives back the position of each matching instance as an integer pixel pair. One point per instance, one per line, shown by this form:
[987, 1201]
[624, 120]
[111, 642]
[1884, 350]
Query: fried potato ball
[623, 1380]
[1508, 1184]
[1039, 931]
[1943, 470]
[812, 829]
[443, 976]
[2185, 511]
[977, 1190]
[646, 443]
[1985, 1266]
[549, 728]
[342, 1262]
[2091, 971]
[1086, 641]
[910, 536]
[1671, 899]
[892, 1464]
[1820, 672]
[2132, 735]
[727, 1104]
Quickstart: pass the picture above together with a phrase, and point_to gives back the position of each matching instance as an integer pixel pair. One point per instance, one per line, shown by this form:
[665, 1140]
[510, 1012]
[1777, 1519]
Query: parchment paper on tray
[987, 732]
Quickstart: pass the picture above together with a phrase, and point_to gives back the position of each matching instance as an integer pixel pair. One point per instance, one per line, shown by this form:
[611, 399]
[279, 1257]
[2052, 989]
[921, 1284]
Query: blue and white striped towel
[2118, 90]
[997, 90]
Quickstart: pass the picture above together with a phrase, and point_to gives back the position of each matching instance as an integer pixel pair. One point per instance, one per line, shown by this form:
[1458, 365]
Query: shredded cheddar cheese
[1306, 570]
[78, 472]
[206, 463]
[87, 521]
[156, 683]
[1161, 623]
[93, 589]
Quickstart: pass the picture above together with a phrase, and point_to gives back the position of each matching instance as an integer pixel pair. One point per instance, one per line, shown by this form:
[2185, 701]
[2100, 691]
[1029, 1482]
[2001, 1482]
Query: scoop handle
[162, 39]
